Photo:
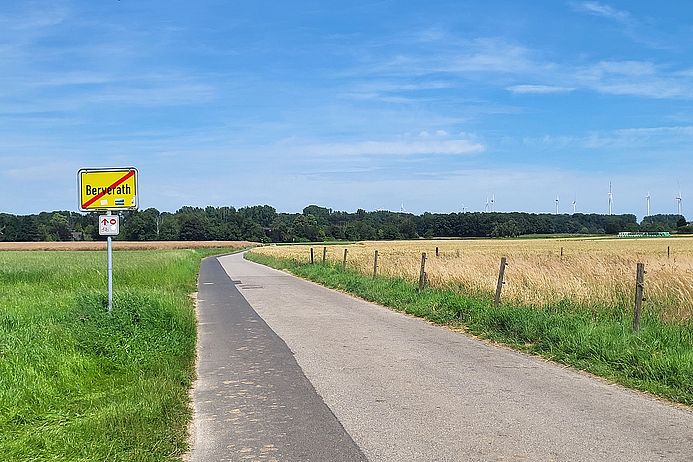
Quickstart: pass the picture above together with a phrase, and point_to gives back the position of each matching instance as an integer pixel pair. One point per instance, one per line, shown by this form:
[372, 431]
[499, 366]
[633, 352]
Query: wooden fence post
[437, 254]
[345, 258]
[311, 256]
[324, 254]
[422, 273]
[668, 251]
[458, 253]
[639, 295]
[561, 253]
[501, 281]
[375, 264]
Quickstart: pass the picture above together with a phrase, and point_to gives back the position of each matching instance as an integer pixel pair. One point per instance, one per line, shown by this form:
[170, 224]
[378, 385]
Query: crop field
[595, 273]
[576, 309]
[80, 384]
[125, 245]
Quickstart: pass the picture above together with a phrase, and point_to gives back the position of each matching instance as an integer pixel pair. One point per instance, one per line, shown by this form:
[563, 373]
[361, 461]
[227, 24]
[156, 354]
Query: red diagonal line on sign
[103, 193]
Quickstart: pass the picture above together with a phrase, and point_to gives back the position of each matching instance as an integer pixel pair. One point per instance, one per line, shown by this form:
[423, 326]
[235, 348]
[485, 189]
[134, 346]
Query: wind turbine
[679, 200]
[611, 198]
[401, 209]
[557, 204]
[486, 208]
[493, 202]
[463, 207]
[574, 205]
[648, 203]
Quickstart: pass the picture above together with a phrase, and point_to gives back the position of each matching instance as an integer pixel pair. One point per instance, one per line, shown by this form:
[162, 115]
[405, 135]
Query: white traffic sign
[109, 225]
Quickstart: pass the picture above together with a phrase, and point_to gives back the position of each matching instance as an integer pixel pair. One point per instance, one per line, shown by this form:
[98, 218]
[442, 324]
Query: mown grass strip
[658, 359]
[80, 384]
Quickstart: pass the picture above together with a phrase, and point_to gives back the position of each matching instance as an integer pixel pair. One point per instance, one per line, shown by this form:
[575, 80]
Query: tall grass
[595, 273]
[80, 384]
[658, 359]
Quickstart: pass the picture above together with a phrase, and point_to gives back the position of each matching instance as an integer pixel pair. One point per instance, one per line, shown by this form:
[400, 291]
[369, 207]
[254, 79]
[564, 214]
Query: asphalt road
[251, 399]
[403, 389]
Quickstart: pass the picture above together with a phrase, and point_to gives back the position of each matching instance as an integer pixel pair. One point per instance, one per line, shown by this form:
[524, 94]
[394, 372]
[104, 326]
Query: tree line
[262, 223]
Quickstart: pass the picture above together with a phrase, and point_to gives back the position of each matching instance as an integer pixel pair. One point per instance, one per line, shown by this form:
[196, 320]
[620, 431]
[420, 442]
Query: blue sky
[359, 104]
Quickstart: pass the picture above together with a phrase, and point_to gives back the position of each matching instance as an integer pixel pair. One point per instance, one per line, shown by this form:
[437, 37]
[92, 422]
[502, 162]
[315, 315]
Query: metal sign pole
[110, 271]
[108, 189]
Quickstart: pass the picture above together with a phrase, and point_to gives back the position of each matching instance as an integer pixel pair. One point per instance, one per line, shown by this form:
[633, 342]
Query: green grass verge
[80, 384]
[658, 359]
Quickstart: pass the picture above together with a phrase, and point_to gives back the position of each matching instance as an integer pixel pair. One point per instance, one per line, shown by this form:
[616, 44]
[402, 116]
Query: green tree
[407, 228]
[140, 226]
[28, 229]
[321, 214]
[280, 232]
[263, 215]
[194, 227]
[59, 227]
[169, 228]
[305, 227]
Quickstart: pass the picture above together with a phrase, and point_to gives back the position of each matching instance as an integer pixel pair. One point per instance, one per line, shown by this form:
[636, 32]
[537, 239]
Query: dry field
[592, 272]
[124, 245]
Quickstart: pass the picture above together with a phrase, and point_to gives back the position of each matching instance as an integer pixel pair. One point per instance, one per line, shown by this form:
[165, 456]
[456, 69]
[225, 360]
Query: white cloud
[641, 32]
[39, 76]
[603, 10]
[431, 35]
[498, 61]
[538, 89]
[634, 78]
[395, 91]
[492, 55]
[481, 55]
[627, 68]
[626, 78]
[453, 147]
[392, 86]
[668, 131]
[624, 138]
[33, 19]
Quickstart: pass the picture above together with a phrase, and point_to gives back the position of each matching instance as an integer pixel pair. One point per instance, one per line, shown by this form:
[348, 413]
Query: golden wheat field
[592, 271]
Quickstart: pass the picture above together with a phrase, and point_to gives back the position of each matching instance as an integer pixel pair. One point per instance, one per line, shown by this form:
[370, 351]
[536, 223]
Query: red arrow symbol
[105, 221]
